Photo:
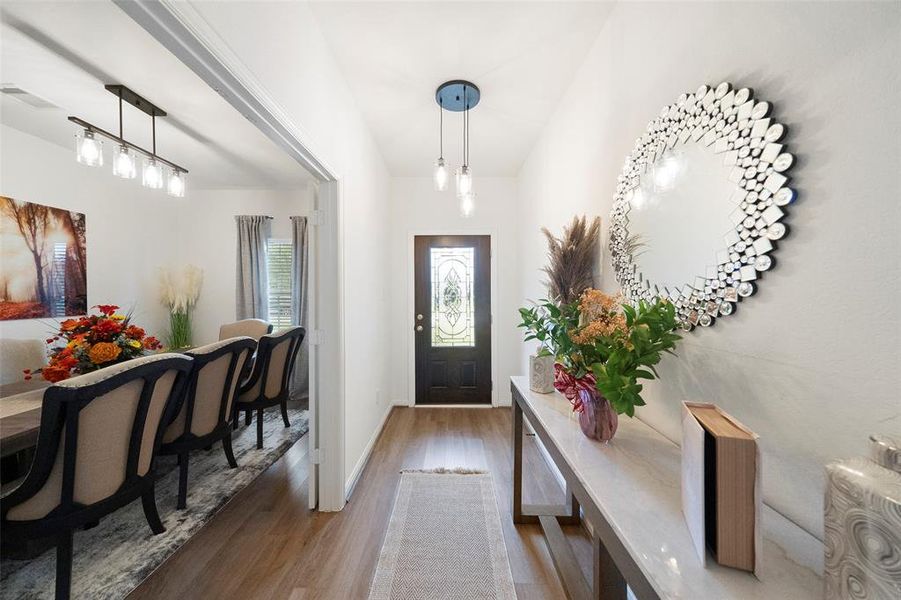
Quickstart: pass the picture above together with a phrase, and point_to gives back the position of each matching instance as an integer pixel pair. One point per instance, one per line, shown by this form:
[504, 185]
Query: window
[278, 267]
[453, 307]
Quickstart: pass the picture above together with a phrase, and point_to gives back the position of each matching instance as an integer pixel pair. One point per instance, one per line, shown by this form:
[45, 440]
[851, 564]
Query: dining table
[20, 414]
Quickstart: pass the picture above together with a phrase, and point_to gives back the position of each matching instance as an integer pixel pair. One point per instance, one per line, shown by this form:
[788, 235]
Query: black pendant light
[457, 96]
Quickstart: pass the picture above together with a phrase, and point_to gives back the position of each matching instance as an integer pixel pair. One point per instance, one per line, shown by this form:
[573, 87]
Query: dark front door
[453, 319]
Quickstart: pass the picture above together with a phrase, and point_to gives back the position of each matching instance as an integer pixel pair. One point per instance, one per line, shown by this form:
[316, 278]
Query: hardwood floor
[266, 544]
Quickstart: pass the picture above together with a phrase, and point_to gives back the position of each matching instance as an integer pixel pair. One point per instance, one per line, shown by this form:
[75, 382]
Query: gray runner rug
[444, 540]
[111, 559]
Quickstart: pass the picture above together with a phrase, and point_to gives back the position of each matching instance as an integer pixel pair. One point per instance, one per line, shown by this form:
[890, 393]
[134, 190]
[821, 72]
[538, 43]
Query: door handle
[419, 328]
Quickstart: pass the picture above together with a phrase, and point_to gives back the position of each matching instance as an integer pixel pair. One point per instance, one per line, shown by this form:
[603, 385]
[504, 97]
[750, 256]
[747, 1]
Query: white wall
[132, 232]
[130, 229]
[207, 237]
[416, 209]
[811, 362]
[281, 46]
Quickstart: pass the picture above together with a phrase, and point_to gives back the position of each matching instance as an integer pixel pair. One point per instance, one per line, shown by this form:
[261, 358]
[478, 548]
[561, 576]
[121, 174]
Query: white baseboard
[454, 406]
[364, 458]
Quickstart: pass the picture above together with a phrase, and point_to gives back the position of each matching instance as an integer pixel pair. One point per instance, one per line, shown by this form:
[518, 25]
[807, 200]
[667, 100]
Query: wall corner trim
[367, 452]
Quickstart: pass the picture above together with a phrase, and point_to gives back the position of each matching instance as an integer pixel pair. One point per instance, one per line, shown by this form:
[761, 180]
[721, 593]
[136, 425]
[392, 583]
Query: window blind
[278, 266]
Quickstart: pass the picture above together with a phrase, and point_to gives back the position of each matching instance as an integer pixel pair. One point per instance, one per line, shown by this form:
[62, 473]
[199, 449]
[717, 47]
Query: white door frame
[410, 321]
[181, 30]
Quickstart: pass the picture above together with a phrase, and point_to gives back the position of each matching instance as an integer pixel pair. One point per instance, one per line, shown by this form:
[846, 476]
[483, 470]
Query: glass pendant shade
[176, 185]
[88, 149]
[125, 163]
[464, 181]
[441, 175]
[153, 175]
[467, 204]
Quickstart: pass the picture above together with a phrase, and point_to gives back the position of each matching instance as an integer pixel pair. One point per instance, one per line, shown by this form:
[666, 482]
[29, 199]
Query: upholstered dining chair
[96, 452]
[268, 382]
[253, 328]
[205, 414]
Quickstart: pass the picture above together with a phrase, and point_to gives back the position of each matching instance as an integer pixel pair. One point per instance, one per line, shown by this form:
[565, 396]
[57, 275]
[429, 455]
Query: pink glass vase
[597, 419]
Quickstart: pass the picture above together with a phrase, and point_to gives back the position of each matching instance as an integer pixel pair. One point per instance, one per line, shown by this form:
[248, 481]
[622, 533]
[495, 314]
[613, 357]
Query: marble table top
[635, 483]
[19, 403]
[20, 417]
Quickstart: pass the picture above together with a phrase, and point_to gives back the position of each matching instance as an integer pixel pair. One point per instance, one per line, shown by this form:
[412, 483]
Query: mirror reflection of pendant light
[89, 150]
[457, 96]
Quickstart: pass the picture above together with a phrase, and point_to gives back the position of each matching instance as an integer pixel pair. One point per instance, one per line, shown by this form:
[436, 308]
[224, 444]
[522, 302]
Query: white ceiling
[522, 55]
[65, 52]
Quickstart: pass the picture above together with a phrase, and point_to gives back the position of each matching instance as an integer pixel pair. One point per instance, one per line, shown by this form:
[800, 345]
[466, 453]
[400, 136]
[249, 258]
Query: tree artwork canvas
[43, 268]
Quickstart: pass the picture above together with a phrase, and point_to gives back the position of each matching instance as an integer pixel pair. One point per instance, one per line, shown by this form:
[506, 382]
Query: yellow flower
[134, 343]
[117, 317]
[102, 352]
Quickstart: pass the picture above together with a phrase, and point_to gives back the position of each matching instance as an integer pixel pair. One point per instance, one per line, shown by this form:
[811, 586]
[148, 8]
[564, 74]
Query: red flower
[70, 324]
[134, 332]
[151, 343]
[106, 309]
[106, 329]
[67, 361]
[54, 374]
[569, 386]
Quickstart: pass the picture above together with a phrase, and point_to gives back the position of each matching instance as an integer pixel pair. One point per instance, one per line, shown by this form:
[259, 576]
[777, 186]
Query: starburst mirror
[700, 204]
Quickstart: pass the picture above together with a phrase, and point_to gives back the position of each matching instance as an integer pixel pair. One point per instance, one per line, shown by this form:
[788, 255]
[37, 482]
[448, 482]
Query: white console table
[629, 491]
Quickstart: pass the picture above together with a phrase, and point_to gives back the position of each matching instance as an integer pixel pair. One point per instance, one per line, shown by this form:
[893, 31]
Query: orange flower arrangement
[92, 342]
[600, 316]
[102, 352]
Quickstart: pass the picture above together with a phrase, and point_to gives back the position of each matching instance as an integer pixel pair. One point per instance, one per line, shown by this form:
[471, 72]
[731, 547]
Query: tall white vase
[541, 374]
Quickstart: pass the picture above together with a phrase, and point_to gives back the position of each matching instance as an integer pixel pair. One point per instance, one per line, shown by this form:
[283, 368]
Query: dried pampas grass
[179, 291]
[571, 259]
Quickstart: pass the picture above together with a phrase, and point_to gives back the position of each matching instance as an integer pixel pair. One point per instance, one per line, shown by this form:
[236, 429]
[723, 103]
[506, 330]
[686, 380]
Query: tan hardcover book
[731, 476]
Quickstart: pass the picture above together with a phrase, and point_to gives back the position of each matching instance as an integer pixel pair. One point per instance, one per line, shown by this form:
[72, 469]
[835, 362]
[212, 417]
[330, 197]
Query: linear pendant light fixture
[457, 96]
[156, 170]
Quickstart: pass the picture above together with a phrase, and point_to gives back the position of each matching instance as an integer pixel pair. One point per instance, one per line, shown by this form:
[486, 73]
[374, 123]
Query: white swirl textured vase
[541, 374]
[863, 525]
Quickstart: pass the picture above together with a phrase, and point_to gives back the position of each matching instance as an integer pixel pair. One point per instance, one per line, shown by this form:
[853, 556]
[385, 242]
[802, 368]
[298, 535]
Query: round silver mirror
[699, 203]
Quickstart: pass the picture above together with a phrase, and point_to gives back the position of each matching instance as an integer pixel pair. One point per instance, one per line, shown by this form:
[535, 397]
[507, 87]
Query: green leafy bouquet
[599, 342]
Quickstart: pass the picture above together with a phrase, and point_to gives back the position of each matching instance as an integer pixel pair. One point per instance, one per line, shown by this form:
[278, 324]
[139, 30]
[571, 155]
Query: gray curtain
[252, 286]
[300, 379]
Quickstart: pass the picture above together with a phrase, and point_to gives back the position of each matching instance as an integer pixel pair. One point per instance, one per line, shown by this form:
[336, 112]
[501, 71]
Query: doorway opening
[452, 321]
[177, 30]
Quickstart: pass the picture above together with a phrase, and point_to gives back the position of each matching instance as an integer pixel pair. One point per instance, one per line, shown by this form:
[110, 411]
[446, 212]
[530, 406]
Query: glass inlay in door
[453, 306]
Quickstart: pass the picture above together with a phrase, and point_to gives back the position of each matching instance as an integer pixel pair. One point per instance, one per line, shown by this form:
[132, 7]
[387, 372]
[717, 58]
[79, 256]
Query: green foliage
[179, 330]
[633, 355]
[618, 360]
[550, 325]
